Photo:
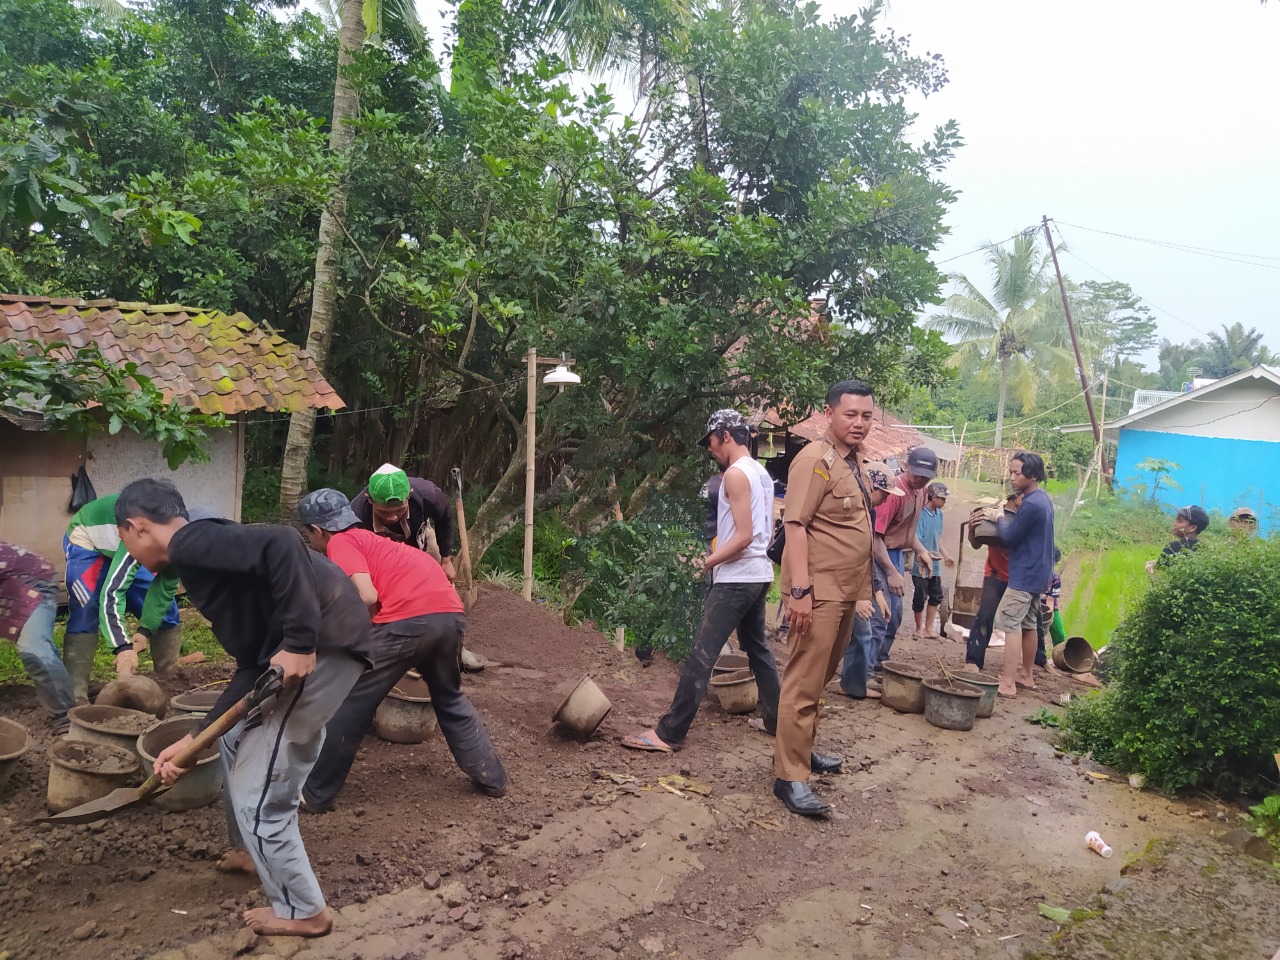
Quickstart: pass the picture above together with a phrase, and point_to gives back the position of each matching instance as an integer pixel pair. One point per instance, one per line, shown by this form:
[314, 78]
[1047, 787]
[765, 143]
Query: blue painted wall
[1234, 472]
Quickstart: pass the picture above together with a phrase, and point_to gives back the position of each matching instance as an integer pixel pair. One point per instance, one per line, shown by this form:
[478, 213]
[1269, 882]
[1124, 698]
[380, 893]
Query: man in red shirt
[417, 623]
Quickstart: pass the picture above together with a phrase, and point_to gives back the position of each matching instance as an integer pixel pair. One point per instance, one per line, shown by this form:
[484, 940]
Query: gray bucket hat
[327, 509]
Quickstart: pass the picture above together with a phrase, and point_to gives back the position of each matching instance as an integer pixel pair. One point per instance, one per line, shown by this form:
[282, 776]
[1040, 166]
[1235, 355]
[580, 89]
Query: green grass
[196, 635]
[1111, 581]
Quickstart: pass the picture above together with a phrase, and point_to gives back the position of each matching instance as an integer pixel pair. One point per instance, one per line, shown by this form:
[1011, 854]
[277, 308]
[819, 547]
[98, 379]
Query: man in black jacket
[271, 602]
[408, 510]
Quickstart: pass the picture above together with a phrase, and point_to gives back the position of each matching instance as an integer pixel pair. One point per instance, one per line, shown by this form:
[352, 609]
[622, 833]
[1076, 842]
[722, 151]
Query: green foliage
[1111, 582]
[1264, 819]
[1111, 522]
[1044, 717]
[1161, 472]
[638, 575]
[1195, 699]
[1219, 355]
[79, 390]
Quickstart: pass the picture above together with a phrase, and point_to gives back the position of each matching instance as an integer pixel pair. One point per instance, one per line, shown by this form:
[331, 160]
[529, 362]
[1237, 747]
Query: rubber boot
[165, 647]
[77, 653]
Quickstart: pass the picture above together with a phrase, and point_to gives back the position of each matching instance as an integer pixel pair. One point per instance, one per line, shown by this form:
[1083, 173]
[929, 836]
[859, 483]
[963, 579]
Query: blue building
[1225, 436]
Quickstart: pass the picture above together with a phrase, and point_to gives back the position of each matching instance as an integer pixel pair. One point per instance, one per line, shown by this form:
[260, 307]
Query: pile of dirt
[126, 723]
[96, 757]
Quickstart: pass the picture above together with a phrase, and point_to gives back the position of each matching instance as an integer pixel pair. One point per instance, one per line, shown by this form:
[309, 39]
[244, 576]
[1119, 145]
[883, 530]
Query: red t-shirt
[410, 583]
[897, 517]
[997, 564]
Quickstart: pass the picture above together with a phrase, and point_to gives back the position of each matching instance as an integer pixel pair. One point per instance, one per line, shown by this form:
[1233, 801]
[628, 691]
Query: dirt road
[940, 843]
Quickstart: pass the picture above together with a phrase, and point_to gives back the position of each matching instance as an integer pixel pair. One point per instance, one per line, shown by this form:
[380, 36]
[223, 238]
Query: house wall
[36, 467]
[1246, 410]
[1219, 473]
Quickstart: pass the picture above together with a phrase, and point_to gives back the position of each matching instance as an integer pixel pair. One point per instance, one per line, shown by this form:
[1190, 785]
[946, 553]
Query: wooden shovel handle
[188, 756]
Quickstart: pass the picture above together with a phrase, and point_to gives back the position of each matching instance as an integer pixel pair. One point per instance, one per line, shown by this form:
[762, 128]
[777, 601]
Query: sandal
[647, 741]
[756, 724]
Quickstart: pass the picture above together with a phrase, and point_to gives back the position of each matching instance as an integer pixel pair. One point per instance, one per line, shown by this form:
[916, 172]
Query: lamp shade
[561, 376]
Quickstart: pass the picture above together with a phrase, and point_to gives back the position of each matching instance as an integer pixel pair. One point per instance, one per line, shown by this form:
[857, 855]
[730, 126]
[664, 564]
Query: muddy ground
[940, 844]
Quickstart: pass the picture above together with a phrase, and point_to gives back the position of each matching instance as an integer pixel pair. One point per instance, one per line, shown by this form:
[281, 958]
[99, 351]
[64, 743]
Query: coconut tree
[1233, 350]
[1015, 333]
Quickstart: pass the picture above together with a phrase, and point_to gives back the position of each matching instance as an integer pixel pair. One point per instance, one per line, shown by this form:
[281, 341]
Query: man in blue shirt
[927, 571]
[1028, 537]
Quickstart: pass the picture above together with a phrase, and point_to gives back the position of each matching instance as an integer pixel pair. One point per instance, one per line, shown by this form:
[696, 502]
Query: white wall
[1247, 410]
[216, 485]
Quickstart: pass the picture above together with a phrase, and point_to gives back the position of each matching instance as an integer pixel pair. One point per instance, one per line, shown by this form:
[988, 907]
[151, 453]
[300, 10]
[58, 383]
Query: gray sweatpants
[265, 769]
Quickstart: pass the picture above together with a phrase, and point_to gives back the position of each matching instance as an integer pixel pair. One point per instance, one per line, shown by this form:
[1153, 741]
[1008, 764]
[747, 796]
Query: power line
[985, 246]
[1037, 416]
[1246, 258]
[393, 406]
[1102, 273]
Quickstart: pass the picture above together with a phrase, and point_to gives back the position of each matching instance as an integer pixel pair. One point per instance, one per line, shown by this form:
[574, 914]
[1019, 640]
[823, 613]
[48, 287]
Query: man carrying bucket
[741, 575]
[417, 624]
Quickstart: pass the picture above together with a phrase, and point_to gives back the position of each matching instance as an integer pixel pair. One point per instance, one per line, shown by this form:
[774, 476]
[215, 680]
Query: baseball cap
[937, 490]
[327, 509]
[720, 421]
[1195, 516]
[882, 477]
[922, 462]
[1244, 515]
[388, 483]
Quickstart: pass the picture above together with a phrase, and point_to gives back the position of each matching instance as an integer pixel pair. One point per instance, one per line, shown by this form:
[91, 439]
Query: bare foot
[970, 668]
[1007, 689]
[1049, 667]
[1026, 682]
[264, 922]
[236, 861]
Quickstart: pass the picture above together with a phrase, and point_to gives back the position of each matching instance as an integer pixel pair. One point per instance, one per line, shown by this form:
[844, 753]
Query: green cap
[388, 483]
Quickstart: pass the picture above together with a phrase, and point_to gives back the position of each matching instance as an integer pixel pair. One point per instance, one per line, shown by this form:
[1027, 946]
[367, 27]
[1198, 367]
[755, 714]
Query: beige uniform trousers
[815, 657]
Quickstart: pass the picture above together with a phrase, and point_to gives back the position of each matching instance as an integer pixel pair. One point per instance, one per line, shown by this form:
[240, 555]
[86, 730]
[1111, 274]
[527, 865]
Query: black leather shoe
[819, 763]
[490, 791]
[798, 798]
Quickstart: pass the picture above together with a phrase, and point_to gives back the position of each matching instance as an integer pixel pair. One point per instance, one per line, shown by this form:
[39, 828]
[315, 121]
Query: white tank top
[750, 566]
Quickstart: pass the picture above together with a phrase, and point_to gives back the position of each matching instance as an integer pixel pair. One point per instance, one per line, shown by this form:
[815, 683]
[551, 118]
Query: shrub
[1195, 695]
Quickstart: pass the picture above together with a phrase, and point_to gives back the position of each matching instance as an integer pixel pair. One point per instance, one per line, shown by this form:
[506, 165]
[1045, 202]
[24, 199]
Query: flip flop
[643, 741]
[756, 724]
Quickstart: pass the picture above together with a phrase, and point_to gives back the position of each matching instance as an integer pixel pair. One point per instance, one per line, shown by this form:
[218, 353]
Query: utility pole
[1075, 344]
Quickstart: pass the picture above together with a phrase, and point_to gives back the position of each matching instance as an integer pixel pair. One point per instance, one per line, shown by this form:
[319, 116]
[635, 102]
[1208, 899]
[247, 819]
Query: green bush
[1194, 699]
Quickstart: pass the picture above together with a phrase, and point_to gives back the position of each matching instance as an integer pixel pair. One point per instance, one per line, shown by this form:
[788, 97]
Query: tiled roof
[213, 361]
[889, 436]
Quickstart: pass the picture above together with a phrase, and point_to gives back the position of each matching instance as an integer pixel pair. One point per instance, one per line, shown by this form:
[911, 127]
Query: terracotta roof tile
[214, 361]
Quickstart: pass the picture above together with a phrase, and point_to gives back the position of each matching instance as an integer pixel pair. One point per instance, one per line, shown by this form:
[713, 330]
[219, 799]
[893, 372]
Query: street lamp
[560, 377]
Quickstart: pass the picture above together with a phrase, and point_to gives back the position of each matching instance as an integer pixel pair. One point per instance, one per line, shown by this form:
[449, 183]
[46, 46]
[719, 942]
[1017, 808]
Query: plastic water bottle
[1093, 840]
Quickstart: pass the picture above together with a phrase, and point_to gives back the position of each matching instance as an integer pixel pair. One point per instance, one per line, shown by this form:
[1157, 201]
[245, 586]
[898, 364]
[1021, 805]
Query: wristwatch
[799, 593]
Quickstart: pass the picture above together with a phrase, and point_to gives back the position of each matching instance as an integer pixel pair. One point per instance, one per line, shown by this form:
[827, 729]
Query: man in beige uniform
[826, 578]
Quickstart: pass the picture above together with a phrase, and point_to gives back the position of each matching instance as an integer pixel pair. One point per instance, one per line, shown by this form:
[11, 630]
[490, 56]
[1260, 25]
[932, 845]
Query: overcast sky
[1157, 119]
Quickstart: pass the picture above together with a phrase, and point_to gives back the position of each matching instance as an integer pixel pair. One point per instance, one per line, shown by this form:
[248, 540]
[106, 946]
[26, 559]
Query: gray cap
[937, 490]
[922, 462]
[723, 420]
[327, 509]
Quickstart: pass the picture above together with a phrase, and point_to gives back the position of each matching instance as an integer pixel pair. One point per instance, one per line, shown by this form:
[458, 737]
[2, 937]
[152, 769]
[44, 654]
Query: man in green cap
[408, 510]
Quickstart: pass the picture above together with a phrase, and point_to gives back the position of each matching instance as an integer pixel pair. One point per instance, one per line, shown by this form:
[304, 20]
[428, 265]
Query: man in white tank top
[741, 576]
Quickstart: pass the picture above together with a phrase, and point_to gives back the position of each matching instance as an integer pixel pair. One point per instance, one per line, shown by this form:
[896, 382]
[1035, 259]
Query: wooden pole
[1075, 341]
[1084, 485]
[530, 457]
[1097, 493]
[960, 454]
[619, 633]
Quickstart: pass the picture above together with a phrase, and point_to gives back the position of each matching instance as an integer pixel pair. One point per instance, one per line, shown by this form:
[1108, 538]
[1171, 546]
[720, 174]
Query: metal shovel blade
[103, 807]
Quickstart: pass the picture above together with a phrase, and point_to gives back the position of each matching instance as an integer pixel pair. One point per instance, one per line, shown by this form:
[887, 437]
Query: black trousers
[993, 589]
[927, 588]
[432, 645]
[729, 606]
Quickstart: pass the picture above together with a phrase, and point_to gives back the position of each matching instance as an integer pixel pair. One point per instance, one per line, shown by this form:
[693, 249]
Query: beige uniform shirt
[824, 499]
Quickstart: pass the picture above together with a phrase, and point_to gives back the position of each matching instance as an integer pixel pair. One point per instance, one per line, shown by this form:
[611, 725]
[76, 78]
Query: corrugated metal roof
[207, 359]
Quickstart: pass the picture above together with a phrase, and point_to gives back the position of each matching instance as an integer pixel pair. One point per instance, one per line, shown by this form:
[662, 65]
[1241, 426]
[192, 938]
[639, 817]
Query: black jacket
[427, 502]
[263, 589]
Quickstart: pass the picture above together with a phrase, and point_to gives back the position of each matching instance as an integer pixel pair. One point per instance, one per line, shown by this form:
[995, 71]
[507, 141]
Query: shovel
[268, 685]
[464, 573]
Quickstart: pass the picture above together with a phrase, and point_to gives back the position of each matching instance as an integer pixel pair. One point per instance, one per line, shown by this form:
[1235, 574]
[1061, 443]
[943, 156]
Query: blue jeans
[857, 659]
[43, 663]
[883, 631]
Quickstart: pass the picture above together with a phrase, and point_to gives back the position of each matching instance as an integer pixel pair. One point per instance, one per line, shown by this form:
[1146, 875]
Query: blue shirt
[1028, 534]
[929, 533]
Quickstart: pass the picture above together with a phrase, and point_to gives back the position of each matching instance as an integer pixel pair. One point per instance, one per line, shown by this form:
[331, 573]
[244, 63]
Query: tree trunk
[324, 292]
[1004, 389]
